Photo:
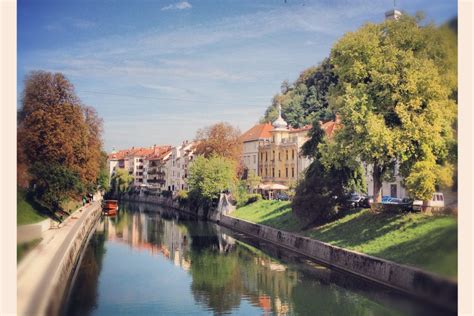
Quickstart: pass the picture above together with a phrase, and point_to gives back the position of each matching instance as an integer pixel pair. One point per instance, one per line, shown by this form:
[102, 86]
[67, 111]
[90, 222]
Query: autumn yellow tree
[59, 138]
[221, 139]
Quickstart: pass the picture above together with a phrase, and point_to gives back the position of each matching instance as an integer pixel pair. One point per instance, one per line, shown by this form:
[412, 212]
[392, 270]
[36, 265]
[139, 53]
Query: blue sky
[156, 71]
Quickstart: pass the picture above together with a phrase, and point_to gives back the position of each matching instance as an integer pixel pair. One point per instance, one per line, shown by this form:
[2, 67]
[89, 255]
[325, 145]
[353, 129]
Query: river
[151, 261]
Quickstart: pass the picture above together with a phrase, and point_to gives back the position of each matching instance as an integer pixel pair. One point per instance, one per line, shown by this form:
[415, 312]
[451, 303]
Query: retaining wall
[430, 287]
[60, 279]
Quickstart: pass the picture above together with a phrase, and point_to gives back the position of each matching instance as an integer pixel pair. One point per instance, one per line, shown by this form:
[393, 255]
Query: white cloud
[183, 5]
[65, 23]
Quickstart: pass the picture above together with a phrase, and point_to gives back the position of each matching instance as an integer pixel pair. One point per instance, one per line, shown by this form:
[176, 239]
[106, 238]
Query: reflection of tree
[216, 280]
[84, 294]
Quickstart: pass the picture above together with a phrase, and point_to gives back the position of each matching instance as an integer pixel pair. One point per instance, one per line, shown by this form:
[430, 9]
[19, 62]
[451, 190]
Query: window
[286, 170]
[279, 156]
[393, 190]
[273, 155]
[287, 157]
[266, 156]
[293, 154]
[279, 174]
[292, 172]
[273, 172]
[266, 172]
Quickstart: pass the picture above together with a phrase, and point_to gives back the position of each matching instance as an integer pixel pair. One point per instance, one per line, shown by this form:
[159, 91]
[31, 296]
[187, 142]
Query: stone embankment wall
[200, 212]
[61, 277]
[416, 282]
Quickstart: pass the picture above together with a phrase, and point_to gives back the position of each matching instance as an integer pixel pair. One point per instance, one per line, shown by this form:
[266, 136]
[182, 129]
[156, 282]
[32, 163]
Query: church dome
[279, 123]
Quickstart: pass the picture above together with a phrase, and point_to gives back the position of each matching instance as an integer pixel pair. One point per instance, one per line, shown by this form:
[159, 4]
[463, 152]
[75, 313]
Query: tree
[103, 180]
[320, 193]
[94, 157]
[121, 181]
[54, 184]
[394, 96]
[208, 177]
[252, 181]
[306, 99]
[56, 129]
[220, 139]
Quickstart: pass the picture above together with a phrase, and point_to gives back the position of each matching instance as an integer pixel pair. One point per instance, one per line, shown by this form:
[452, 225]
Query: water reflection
[148, 260]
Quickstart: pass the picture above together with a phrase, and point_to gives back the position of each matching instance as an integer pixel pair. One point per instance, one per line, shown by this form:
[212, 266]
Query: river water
[151, 261]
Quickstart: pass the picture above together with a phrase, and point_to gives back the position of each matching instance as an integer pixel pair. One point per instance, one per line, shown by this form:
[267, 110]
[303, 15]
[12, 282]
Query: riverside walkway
[40, 273]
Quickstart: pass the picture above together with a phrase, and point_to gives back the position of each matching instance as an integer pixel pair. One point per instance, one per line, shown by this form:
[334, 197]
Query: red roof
[330, 127]
[138, 152]
[301, 129]
[259, 131]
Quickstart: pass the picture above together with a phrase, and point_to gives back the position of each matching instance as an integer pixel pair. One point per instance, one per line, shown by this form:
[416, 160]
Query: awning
[272, 186]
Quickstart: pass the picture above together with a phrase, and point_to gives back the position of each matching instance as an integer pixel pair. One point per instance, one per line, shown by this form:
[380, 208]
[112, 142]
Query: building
[154, 169]
[250, 142]
[280, 161]
[177, 166]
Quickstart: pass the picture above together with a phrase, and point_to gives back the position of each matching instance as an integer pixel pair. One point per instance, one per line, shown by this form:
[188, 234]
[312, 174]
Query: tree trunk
[377, 175]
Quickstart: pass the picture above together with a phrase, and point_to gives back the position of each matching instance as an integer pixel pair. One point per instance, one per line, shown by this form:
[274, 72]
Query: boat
[110, 207]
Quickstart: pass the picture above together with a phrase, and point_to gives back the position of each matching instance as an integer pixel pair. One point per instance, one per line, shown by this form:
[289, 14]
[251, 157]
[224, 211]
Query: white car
[437, 201]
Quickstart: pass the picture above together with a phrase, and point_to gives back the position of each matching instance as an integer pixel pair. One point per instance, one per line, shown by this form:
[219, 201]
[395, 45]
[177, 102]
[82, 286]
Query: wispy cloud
[68, 23]
[183, 5]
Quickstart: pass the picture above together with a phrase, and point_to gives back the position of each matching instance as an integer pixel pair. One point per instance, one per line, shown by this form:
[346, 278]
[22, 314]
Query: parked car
[437, 201]
[282, 197]
[386, 199]
[367, 201]
[355, 200]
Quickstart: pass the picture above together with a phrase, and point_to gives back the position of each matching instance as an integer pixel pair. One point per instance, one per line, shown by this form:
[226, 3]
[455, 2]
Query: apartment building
[250, 141]
[177, 166]
[280, 161]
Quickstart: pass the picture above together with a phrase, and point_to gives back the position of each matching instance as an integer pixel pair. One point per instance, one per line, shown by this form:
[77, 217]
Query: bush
[252, 198]
[183, 197]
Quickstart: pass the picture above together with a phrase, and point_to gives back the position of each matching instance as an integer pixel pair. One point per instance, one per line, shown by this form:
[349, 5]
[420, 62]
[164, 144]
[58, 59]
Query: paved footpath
[36, 270]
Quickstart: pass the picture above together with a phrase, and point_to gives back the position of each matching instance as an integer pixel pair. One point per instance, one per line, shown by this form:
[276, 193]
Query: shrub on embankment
[416, 239]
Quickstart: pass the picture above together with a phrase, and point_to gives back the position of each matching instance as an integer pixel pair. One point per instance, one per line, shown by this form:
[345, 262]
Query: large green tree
[396, 98]
[306, 99]
[208, 177]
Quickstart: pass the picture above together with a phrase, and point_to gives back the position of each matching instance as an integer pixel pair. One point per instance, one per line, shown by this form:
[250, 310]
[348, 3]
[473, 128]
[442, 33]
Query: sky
[157, 71]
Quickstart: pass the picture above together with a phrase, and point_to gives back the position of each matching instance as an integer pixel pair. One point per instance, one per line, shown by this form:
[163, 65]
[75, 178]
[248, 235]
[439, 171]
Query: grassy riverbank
[427, 242]
[28, 212]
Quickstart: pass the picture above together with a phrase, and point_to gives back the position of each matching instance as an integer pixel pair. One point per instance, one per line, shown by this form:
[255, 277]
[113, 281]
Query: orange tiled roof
[259, 131]
[331, 127]
[159, 152]
[137, 152]
[301, 129]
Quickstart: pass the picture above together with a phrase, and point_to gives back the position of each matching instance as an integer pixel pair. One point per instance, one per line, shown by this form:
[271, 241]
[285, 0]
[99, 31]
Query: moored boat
[110, 207]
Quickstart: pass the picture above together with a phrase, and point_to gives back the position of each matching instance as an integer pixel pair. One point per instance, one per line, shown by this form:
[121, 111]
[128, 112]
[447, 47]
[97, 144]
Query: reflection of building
[153, 234]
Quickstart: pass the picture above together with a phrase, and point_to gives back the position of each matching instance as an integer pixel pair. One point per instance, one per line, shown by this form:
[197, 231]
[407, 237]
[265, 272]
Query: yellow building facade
[280, 160]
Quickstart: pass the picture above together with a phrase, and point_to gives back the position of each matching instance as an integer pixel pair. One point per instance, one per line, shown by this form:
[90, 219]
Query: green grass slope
[416, 239]
[27, 211]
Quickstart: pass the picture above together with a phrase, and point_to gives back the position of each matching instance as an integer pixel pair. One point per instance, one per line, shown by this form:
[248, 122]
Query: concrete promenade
[39, 273]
